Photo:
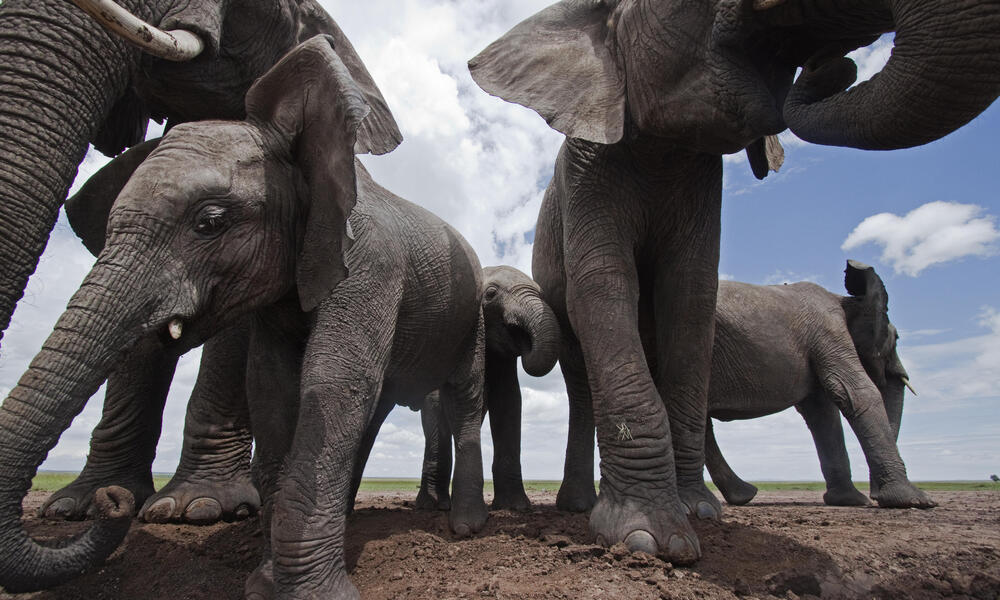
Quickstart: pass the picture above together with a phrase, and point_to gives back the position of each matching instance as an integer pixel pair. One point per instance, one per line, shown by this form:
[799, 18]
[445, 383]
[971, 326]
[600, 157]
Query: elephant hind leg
[435, 477]
[823, 419]
[736, 491]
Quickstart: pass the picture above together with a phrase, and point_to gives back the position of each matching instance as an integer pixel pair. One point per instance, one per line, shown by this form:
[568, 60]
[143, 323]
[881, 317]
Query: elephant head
[518, 322]
[65, 82]
[716, 76]
[222, 218]
[867, 313]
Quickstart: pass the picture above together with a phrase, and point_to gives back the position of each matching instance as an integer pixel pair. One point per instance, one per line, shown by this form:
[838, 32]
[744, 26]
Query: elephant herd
[323, 300]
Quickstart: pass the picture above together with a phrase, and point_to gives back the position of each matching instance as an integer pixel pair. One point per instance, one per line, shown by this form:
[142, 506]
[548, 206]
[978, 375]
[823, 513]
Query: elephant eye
[490, 293]
[211, 221]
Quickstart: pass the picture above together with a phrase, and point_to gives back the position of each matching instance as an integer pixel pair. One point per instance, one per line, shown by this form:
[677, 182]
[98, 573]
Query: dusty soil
[784, 544]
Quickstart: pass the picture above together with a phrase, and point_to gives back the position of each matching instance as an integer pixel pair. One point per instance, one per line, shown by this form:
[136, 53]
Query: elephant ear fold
[378, 133]
[870, 327]
[87, 210]
[313, 108]
[558, 64]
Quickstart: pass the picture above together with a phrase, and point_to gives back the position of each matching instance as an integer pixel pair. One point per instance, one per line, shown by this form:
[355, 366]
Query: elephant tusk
[766, 4]
[177, 45]
[906, 382]
[176, 328]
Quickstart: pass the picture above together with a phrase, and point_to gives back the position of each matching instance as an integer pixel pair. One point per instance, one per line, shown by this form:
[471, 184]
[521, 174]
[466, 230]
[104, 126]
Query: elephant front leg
[503, 397]
[576, 493]
[823, 419]
[435, 476]
[123, 444]
[638, 502]
[213, 481]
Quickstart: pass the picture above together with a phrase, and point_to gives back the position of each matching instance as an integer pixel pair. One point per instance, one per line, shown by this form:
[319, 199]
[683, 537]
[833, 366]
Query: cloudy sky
[926, 218]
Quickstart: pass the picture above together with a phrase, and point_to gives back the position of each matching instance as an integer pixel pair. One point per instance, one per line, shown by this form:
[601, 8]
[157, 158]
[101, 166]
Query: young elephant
[518, 323]
[799, 345]
[229, 219]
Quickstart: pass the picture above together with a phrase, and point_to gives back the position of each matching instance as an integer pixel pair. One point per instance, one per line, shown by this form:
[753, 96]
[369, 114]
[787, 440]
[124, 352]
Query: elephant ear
[870, 325]
[378, 133]
[558, 64]
[313, 108]
[88, 209]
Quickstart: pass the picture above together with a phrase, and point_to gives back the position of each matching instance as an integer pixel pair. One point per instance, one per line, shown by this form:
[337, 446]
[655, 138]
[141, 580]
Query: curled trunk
[944, 70]
[84, 347]
[538, 320]
[60, 76]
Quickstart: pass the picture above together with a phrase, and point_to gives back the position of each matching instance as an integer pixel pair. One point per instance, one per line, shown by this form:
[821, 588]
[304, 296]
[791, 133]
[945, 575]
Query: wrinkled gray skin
[518, 323]
[800, 345]
[64, 82]
[234, 220]
[650, 94]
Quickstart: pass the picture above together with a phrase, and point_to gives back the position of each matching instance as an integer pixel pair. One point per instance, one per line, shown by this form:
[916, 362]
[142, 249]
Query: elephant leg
[823, 419]
[212, 481]
[576, 493]
[503, 399]
[123, 444]
[736, 491]
[861, 404]
[435, 477]
[638, 502]
[274, 365]
[684, 298]
[462, 405]
[382, 410]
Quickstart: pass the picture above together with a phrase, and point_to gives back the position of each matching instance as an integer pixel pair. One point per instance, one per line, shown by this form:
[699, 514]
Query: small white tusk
[766, 4]
[176, 328]
[906, 382]
[177, 45]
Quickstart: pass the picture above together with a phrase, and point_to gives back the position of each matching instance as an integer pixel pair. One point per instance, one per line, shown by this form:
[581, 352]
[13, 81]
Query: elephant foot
[510, 497]
[260, 583]
[467, 517]
[432, 500]
[699, 501]
[737, 493]
[576, 496]
[902, 495]
[75, 502]
[201, 501]
[644, 526]
[848, 496]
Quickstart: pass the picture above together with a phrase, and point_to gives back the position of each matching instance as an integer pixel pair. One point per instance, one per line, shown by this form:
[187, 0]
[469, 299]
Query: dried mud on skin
[784, 545]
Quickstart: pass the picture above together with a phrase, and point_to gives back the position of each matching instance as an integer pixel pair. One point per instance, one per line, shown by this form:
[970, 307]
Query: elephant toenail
[641, 541]
[242, 511]
[706, 510]
[601, 541]
[462, 530]
[61, 508]
[160, 511]
[203, 510]
[681, 550]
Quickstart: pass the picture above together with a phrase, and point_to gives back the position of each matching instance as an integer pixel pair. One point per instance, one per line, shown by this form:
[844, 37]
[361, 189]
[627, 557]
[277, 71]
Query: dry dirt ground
[784, 544]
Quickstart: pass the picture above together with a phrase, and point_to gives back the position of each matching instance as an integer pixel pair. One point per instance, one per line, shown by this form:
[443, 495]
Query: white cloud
[871, 59]
[781, 276]
[934, 233]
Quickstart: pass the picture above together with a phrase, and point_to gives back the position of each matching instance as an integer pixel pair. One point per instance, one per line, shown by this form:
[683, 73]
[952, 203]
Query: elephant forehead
[506, 277]
[196, 161]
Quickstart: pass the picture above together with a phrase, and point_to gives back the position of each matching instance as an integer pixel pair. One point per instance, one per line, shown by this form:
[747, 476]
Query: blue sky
[481, 164]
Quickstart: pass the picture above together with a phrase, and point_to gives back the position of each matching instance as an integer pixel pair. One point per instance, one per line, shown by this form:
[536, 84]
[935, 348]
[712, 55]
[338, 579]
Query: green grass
[50, 481]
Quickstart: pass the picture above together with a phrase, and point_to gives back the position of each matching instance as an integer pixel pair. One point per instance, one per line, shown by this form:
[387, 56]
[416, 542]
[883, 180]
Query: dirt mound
[785, 545]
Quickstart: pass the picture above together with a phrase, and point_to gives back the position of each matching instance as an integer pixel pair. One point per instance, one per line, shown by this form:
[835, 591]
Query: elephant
[650, 95]
[227, 220]
[65, 82]
[518, 323]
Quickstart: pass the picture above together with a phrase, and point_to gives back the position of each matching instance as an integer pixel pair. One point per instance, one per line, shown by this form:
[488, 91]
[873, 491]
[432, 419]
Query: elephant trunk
[85, 345]
[893, 391]
[944, 70]
[60, 76]
[537, 319]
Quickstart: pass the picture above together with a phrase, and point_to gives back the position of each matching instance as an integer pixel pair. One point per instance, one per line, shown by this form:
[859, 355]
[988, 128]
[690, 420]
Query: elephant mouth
[521, 339]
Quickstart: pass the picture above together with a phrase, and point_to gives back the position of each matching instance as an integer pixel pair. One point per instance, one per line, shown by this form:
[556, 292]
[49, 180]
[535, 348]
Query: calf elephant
[229, 219]
[64, 82]
[649, 95]
[800, 345]
[518, 323]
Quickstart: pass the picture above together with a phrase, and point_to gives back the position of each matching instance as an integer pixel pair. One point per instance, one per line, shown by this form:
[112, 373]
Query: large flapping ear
[88, 209]
[558, 64]
[310, 102]
[378, 133]
[870, 328]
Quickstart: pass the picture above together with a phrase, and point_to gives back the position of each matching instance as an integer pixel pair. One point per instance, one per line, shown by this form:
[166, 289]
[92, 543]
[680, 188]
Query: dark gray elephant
[518, 323]
[64, 82]
[799, 345]
[229, 219]
[650, 94]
